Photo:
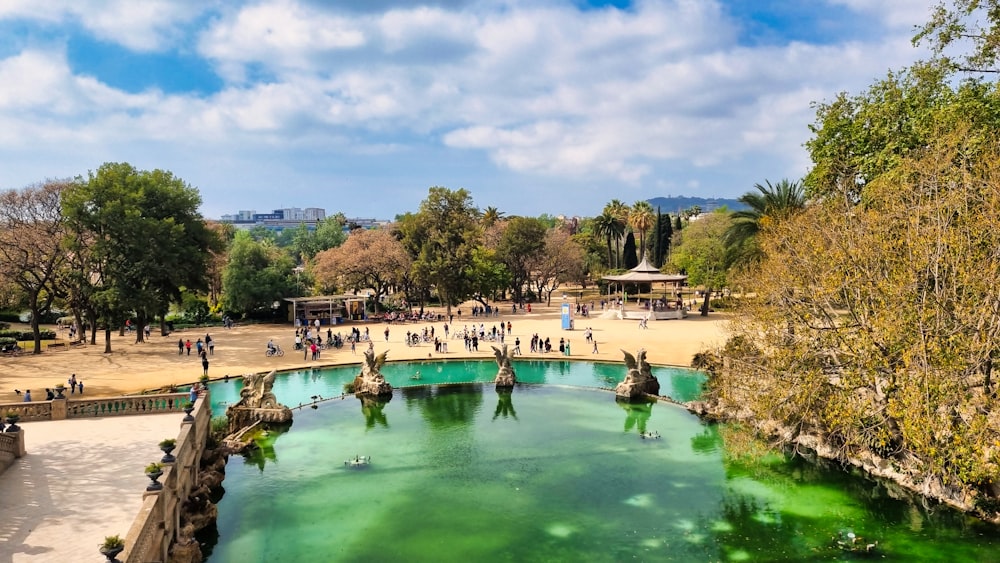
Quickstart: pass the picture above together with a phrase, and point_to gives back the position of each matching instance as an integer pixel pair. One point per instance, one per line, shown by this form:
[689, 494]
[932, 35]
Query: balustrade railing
[28, 412]
[122, 406]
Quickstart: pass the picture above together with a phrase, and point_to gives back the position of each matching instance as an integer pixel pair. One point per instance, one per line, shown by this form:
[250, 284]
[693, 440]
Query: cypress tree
[631, 261]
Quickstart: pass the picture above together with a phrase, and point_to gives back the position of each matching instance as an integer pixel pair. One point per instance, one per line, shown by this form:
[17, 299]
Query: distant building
[291, 217]
[277, 220]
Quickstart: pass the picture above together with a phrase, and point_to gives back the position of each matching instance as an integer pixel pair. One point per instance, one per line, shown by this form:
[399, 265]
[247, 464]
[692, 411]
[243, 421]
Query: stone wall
[158, 522]
[11, 448]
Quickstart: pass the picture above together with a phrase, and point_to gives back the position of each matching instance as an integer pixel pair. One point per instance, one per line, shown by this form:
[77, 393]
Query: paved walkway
[80, 481]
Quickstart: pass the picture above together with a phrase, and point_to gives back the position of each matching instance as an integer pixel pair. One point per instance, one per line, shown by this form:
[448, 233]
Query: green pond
[462, 472]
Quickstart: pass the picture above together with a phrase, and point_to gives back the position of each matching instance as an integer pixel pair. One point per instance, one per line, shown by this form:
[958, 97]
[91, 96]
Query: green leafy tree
[523, 239]
[641, 219]
[771, 203]
[257, 275]
[970, 23]
[701, 253]
[144, 240]
[440, 238]
[488, 274]
[608, 227]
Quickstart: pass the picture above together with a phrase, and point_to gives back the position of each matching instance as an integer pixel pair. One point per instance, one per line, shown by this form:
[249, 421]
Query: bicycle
[276, 351]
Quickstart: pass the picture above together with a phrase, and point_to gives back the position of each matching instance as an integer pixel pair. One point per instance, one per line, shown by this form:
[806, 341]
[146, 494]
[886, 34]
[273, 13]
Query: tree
[31, 255]
[560, 261]
[440, 238]
[662, 233]
[628, 252]
[885, 316]
[258, 275]
[975, 23]
[641, 219]
[772, 203]
[857, 138]
[487, 274]
[522, 240]
[608, 227]
[619, 211]
[702, 254]
[145, 240]
[368, 259]
[491, 216]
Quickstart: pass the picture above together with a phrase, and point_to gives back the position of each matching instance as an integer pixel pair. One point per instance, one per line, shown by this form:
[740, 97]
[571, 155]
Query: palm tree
[641, 218]
[620, 212]
[491, 215]
[604, 226]
[772, 203]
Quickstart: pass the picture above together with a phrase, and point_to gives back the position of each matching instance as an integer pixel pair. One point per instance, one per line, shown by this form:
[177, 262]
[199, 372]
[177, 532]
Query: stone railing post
[59, 409]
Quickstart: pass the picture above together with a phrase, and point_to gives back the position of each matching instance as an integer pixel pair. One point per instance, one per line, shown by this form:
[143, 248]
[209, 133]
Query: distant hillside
[674, 205]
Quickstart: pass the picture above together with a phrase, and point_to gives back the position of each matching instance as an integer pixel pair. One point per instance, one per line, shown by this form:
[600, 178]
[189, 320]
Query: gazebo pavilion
[646, 273]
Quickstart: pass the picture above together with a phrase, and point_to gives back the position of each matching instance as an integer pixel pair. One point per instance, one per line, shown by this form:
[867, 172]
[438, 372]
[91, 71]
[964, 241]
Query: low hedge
[27, 334]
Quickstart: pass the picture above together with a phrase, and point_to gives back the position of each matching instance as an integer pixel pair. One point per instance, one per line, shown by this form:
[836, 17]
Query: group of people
[73, 383]
[204, 348]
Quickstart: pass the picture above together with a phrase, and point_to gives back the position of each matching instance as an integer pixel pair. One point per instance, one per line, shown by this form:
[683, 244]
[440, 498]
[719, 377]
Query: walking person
[180, 346]
[187, 346]
[72, 384]
[204, 363]
[210, 343]
[79, 386]
[594, 340]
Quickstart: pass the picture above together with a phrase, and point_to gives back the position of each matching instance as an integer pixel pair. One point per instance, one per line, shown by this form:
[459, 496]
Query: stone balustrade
[60, 409]
[157, 525]
[29, 412]
[128, 405]
[11, 448]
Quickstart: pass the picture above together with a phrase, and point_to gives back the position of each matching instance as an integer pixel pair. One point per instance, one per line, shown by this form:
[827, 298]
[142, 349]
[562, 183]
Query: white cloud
[141, 25]
[542, 89]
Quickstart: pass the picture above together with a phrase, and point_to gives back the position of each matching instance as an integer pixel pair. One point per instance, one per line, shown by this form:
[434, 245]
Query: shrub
[23, 335]
[10, 317]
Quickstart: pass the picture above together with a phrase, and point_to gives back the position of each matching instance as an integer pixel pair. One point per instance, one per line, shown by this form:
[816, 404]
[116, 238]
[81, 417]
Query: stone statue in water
[639, 380]
[257, 402]
[505, 375]
[370, 381]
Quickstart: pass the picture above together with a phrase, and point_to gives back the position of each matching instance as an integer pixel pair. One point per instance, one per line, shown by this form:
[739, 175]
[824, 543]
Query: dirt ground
[135, 367]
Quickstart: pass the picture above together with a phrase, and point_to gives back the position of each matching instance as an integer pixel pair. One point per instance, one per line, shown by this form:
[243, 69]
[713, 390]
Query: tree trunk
[704, 305]
[163, 325]
[92, 319]
[107, 339]
[140, 324]
[82, 336]
[33, 305]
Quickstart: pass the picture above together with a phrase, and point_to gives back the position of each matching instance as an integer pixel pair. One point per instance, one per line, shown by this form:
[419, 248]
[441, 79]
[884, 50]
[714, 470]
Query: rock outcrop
[639, 380]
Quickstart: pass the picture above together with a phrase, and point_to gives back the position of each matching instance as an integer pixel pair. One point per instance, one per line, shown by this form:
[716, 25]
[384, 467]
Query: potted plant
[59, 389]
[188, 407]
[153, 471]
[203, 379]
[12, 418]
[167, 446]
[112, 546]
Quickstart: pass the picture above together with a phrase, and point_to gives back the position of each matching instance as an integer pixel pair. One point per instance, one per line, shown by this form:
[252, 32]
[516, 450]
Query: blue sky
[358, 106]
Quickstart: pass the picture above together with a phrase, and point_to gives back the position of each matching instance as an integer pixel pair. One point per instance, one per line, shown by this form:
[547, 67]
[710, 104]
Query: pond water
[548, 473]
